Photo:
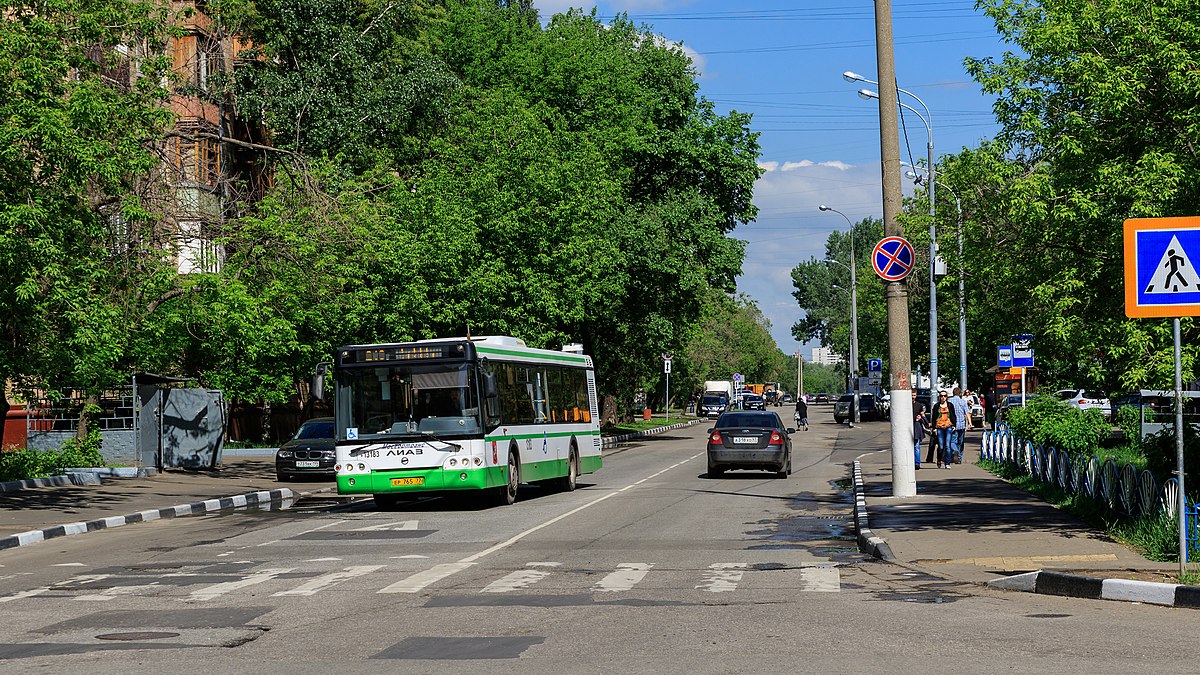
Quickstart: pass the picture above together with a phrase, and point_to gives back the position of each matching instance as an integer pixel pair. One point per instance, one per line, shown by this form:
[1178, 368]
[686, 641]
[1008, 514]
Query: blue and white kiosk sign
[1161, 279]
[893, 258]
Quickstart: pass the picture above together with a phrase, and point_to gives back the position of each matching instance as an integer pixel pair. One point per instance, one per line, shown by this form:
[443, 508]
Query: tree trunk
[608, 411]
[87, 416]
[4, 408]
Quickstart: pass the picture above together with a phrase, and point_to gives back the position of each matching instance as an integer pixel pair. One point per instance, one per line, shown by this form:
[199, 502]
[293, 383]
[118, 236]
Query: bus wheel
[508, 493]
[568, 482]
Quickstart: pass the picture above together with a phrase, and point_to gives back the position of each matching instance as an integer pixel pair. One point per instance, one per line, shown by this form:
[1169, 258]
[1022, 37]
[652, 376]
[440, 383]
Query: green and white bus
[486, 413]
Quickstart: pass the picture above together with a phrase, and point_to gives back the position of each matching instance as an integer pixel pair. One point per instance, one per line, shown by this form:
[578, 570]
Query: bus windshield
[409, 400]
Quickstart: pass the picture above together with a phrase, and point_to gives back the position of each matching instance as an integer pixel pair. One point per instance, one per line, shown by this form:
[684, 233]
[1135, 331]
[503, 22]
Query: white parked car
[1085, 399]
[976, 407]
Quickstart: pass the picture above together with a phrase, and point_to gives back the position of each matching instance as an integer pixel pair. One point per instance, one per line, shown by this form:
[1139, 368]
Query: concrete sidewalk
[970, 525]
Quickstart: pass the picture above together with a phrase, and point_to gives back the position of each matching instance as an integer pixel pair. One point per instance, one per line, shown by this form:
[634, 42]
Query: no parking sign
[893, 258]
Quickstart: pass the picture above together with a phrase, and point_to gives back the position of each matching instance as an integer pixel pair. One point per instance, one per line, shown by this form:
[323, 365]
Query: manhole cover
[137, 636]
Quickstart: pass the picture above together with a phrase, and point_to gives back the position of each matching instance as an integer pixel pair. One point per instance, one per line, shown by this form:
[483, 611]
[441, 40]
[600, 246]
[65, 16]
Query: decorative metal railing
[1123, 490]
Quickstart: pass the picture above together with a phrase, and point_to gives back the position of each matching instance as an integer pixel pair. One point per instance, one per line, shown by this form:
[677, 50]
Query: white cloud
[790, 228]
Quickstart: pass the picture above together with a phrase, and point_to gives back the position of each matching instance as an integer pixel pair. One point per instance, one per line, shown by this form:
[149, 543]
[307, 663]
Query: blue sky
[783, 61]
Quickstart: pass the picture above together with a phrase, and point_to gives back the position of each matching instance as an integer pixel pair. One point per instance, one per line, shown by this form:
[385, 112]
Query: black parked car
[309, 453]
[750, 439]
[868, 408]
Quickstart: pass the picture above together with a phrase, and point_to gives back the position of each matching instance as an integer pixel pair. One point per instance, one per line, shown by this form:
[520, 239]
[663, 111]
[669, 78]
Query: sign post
[1162, 281]
[667, 372]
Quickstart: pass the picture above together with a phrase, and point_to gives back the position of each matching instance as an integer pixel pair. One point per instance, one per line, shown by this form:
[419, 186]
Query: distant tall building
[825, 356]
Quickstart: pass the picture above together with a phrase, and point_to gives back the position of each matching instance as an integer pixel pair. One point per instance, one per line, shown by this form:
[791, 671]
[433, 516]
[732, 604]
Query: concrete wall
[116, 445]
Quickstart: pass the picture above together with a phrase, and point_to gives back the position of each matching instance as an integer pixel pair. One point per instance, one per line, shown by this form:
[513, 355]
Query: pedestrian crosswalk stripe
[314, 586]
[217, 590]
[821, 579]
[520, 578]
[626, 576]
[722, 577]
[420, 580]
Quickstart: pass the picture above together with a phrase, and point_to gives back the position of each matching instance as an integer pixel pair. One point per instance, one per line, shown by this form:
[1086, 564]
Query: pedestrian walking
[962, 414]
[918, 428]
[989, 407]
[802, 413]
[944, 420]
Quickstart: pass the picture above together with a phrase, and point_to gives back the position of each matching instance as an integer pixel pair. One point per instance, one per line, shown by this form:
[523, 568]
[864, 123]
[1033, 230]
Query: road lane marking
[276, 541]
[518, 537]
[626, 576]
[314, 586]
[420, 580]
[722, 577]
[820, 579]
[520, 578]
[217, 590]
[397, 526]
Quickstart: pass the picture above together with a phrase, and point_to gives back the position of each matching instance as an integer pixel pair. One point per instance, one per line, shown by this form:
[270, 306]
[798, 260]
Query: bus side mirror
[491, 396]
[318, 381]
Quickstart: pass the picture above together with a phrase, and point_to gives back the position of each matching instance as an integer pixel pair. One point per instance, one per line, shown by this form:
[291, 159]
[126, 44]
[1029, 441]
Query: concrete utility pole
[799, 374]
[904, 477]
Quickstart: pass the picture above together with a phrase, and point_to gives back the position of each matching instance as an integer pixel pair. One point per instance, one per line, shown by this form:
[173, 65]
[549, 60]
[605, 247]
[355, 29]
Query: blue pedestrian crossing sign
[1161, 278]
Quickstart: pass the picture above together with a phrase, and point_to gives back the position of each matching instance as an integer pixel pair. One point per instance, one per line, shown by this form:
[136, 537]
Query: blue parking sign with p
[874, 365]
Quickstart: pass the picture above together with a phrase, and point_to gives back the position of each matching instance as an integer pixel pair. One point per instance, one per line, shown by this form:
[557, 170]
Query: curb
[1094, 588]
[195, 508]
[614, 440]
[52, 481]
[868, 543]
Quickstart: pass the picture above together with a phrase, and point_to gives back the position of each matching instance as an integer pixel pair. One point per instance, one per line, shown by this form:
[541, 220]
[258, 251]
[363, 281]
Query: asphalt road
[649, 567]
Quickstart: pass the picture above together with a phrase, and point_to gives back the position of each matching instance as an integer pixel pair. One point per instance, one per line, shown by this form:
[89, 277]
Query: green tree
[1098, 103]
[83, 264]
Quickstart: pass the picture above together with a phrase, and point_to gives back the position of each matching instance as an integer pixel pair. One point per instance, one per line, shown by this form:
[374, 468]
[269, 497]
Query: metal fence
[62, 414]
[1123, 490]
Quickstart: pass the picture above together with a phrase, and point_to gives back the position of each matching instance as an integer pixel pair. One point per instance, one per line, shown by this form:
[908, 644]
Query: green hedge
[1052, 423]
[23, 464]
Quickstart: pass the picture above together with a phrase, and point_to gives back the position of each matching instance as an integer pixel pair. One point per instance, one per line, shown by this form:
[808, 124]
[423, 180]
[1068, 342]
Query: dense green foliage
[1051, 423]
[80, 258]
[1099, 105]
[75, 453]
[442, 168]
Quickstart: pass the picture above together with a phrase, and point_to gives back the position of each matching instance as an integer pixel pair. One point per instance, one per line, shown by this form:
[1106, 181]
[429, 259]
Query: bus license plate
[745, 439]
[416, 480]
[302, 464]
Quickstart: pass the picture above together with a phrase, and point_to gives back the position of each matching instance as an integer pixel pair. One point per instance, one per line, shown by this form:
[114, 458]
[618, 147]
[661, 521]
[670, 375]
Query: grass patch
[643, 425]
[1155, 537]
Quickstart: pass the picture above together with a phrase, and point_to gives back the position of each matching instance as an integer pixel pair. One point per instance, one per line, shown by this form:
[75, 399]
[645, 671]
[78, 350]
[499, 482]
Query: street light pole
[855, 416]
[963, 273]
[927, 120]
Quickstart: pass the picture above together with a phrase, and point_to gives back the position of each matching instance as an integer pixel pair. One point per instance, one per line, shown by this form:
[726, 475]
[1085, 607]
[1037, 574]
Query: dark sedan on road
[309, 453]
[712, 406]
[750, 439]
